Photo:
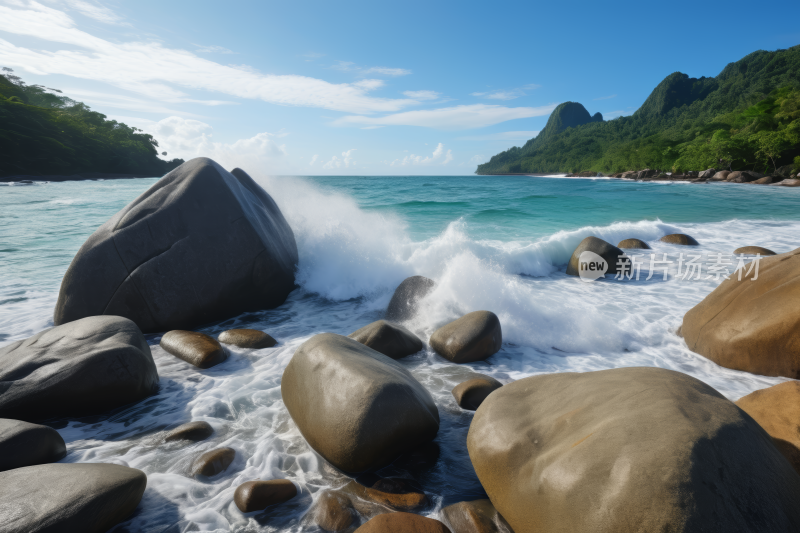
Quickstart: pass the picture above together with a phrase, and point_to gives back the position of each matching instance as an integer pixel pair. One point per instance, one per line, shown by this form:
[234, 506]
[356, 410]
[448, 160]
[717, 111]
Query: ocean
[499, 243]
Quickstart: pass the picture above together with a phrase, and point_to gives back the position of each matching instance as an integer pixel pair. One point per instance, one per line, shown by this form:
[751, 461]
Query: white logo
[591, 266]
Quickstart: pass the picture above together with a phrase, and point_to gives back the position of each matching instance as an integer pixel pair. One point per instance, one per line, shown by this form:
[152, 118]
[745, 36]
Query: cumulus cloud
[449, 118]
[507, 94]
[438, 157]
[422, 95]
[345, 161]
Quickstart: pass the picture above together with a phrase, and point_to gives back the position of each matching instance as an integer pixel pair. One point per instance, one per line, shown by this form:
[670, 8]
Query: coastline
[83, 176]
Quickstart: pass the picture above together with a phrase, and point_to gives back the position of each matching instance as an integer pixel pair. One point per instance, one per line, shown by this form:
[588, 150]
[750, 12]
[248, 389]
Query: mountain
[747, 116]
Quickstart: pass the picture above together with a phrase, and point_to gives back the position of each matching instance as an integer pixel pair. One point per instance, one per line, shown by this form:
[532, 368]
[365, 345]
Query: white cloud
[508, 94]
[477, 159]
[450, 118]
[92, 10]
[213, 49]
[345, 161]
[439, 157]
[502, 136]
[422, 95]
[132, 103]
[158, 72]
[349, 66]
[606, 97]
[313, 160]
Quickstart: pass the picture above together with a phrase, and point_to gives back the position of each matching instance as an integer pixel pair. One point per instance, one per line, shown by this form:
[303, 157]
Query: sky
[369, 88]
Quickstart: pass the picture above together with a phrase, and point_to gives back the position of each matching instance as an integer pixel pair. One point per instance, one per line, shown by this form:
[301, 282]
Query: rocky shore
[785, 176]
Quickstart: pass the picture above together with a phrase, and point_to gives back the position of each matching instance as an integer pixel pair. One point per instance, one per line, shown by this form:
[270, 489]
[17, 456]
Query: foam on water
[352, 257]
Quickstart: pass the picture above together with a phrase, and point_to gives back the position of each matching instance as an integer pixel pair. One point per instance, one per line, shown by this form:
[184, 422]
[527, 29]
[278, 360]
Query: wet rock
[392, 340]
[257, 495]
[397, 494]
[473, 337]
[644, 446]
[471, 393]
[84, 497]
[777, 410]
[751, 324]
[679, 238]
[722, 175]
[247, 338]
[753, 250]
[194, 347]
[213, 462]
[23, 444]
[706, 174]
[633, 244]
[744, 176]
[356, 407]
[766, 180]
[200, 245]
[403, 304]
[402, 523]
[88, 366]
[789, 183]
[333, 511]
[612, 255]
[477, 516]
[191, 431]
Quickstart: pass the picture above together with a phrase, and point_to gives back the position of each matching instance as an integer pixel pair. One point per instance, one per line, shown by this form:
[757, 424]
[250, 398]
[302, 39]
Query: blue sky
[320, 87]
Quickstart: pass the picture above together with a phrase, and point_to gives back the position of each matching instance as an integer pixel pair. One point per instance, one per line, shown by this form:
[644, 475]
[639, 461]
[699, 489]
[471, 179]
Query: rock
[407, 295]
[777, 410]
[753, 250]
[629, 175]
[477, 516]
[200, 245]
[85, 497]
[707, 174]
[333, 511]
[679, 238]
[607, 251]
[785, 171]
[789, 183]
[646, 173]
[247, 338]
[85, 367]
[722, 175]
[396, 494]
[194, 347]
[471, 393]
[257, 495]
[751, 325]
[628, 449]
[213, 462]
[356, 407]
[23, 444]
[473, 337]
[744, 176]
[766, 180]
[402, 523]
[633, 244]
[191, 431]
[392, 340]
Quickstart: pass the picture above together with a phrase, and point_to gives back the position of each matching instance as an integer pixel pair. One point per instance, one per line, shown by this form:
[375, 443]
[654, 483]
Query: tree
[769, 144]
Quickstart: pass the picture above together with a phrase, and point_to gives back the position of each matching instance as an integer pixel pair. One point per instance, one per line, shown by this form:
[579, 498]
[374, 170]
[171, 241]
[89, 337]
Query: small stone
[257, 495]
[392, 340]
[394, 493]
[473, 337]
[679, 238]
[23, 444]
[402, 523]
[213, 462]
[633, 244]
[477, 516]
[193, 431]
[333, 511]
[753, 250]
[471, 393]
[247, 338]
[193, 347]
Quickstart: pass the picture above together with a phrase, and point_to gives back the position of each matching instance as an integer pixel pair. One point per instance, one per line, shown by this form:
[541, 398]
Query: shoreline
[83, 176]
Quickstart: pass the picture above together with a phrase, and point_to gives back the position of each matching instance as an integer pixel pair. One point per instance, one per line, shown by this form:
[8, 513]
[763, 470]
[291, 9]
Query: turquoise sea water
[497, 243]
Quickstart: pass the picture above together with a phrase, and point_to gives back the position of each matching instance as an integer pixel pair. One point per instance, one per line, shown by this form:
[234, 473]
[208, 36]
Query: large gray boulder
[356, 407]
[613, 256]
[406, 297]
[200, 245]
[24, 444]
[628, 449]
[84, 367]
[65, 498]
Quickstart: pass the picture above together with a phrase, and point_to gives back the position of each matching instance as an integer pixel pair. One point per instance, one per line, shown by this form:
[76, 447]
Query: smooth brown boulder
[247, 338]
[257, 495]
[356, 407]
[679, 238]
[402, 523]
[777, 410]
[628, 449]
[213, 462]
[191, 431]
[24, 444]
[393, 493]
[788, 183]
[392, 340]
[610, 253]
[478, 516]
[633, 244]
[471, 393]
[66, 498]
[473, 337]
[753, 250]
[406, 297]
[707, 174]
[722, 175]
[766, 180]
[333, 511]
[743, 176]
[752, 324]
[194, 347]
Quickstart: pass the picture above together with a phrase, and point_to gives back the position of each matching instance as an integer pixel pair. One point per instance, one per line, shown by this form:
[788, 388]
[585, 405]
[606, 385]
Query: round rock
[392, 340]
[333, 511]
[471, 393]
[679, 238]
[403, 304]
[393, 493]
[402, 523]
[247, 338]
[753, 250]
[24, 444]
[473, 337]
[610, 253]
[633, 244]
[194, 347]
[191, 431]
[478, 516]
[213, 462]
[257, 495]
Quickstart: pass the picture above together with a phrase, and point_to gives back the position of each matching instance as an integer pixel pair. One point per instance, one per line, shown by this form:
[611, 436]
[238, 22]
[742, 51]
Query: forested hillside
[43, 132]
[748, 117]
